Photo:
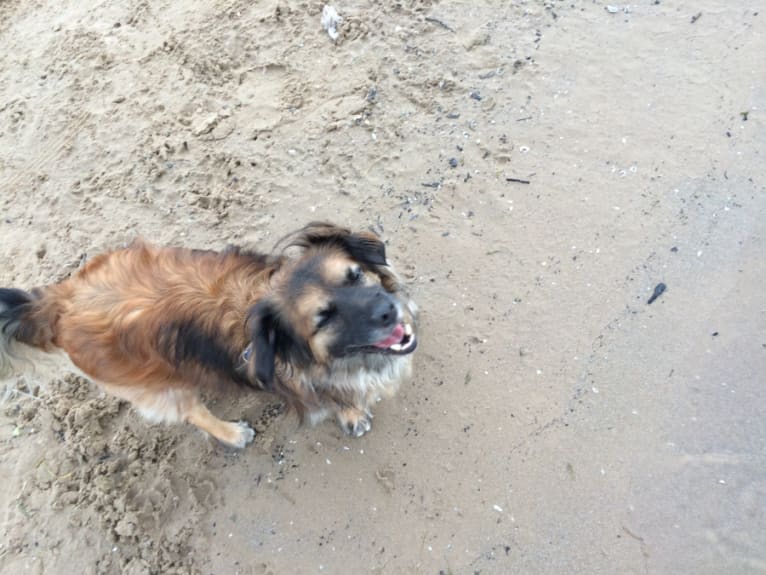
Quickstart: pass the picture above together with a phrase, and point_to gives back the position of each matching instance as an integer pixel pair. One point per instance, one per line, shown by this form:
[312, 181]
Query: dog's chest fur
[363, 376]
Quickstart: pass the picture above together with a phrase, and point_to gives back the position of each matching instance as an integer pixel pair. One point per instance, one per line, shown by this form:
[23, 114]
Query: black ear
[273, 339]
[364, 247]
[263, 335]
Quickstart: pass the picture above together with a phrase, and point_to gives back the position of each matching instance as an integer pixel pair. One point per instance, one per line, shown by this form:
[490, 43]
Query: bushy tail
[24, 332]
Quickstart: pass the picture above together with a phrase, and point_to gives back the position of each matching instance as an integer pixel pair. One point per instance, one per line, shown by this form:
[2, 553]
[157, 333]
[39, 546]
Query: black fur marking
[263, 336]
[12, 297]
[13, 304]
[366, 250]
[272, 340]
[363, 248]
[184, 341]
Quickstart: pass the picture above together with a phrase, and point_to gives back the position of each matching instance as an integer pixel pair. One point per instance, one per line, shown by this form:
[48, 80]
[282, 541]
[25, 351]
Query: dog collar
[244, 360]
[246, 354]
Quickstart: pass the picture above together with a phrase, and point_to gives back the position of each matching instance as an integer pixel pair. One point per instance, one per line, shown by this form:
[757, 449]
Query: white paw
[359, 427]
[244, 434]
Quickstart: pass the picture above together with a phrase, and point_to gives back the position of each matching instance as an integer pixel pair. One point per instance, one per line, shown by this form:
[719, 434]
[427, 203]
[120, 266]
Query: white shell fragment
[331, 20]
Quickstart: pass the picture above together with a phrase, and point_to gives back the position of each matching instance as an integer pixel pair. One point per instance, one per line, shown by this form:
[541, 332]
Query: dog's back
[131, 314]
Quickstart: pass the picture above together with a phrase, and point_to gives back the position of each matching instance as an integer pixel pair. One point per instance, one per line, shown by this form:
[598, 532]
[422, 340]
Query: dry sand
[556, 423]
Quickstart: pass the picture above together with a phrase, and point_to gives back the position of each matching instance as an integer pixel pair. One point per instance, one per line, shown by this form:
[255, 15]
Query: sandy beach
[536, 169]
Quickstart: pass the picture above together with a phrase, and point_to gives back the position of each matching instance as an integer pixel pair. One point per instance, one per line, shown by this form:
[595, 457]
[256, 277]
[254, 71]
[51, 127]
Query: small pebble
[476, 96]
[453, 162]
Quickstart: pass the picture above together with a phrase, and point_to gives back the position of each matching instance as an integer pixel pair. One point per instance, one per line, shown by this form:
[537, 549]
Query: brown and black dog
[329, 329]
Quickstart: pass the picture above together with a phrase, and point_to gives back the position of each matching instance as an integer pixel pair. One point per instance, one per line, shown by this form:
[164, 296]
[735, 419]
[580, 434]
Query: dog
[324, 323]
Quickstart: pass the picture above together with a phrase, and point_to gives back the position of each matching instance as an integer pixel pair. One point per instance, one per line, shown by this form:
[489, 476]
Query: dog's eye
[325, 316]
[353, 276]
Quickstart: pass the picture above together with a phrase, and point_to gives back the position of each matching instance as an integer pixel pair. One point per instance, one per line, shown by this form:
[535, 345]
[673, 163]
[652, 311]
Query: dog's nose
[383, 310]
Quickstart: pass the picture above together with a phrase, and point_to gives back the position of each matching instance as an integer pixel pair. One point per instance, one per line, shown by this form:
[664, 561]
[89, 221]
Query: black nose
[383, 310]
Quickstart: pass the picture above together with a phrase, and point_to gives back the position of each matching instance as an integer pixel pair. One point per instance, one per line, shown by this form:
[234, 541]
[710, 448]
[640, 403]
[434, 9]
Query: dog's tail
[26, 335]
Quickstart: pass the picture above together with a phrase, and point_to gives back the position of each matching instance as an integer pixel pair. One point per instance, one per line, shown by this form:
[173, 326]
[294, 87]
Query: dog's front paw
[359, 427]
[241, 434]
[355, 422]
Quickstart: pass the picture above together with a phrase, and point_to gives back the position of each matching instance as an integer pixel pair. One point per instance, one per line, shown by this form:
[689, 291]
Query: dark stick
[517, 180]
[659, 289]
[440, 23]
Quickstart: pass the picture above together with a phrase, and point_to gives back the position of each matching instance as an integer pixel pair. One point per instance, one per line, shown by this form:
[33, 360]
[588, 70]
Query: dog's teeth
[407, 329]
[397, 347]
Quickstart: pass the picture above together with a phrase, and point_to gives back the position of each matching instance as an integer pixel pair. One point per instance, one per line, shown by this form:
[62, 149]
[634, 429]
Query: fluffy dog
[330, 329]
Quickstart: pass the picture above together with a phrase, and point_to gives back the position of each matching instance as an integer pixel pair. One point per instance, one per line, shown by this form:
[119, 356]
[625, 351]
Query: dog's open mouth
[401, 341]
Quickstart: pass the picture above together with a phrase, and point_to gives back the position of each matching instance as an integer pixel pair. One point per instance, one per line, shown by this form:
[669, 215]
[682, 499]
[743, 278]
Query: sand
[536, 169]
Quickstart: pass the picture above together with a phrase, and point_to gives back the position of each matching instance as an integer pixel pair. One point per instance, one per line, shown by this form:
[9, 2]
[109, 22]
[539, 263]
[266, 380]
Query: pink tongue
[395, 337]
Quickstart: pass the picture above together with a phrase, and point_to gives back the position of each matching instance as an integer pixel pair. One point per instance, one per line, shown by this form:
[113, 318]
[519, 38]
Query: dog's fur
[329, 329]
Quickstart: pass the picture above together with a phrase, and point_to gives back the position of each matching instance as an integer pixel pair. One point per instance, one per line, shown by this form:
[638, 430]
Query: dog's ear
[261, 322]
[273, 340]
[364, 247]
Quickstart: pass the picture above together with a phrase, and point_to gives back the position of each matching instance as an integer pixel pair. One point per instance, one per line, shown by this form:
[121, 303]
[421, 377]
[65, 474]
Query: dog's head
[335, 299]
